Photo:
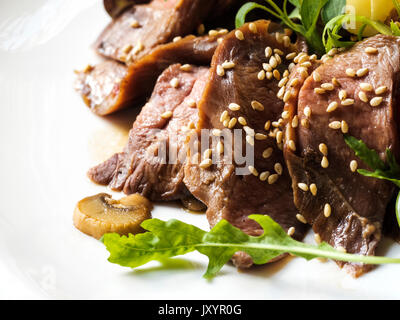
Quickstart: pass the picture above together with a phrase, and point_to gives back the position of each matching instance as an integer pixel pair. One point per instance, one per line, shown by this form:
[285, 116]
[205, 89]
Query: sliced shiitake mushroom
[101, 214]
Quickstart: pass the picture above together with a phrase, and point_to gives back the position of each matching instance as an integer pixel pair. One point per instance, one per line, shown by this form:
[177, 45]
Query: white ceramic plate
[49, 139]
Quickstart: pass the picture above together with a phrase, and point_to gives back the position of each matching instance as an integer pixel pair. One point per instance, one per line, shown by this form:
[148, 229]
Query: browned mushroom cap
[101, 214]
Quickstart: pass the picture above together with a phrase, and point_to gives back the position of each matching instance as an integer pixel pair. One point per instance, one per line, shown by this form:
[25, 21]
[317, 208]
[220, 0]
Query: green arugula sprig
[307, 10]
[167, 239]
[389, 171]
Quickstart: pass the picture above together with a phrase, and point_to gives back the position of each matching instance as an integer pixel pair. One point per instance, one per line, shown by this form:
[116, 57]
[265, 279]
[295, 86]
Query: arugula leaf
[333, 9]
[331, 37]
[396, 4]
[172, 238]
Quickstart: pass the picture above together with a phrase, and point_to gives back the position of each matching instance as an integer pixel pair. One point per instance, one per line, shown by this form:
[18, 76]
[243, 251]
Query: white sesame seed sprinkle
[273, 178]
[261, 75]
[239, 35]
[301, 218]
[206, 163]
[267, 153]
[242, 121]
[250, 140]
[363, 96]
[381, 90]
[253, 27]
[332, 106]
[253, 171]
[375, 102]
[324, 162]
[323, 149]
[220, 71]
[347, 102]
[313, 189]
[367, 87]
[303, 186]
[278, 168]
[234, 107]
[371, 50]
[353, 165]
[257, 105]
[327, 210]
[307, 111]
[362, 72]
[295, 121]
[291, 231]
[292, 145]
[351, 72]
[264, 175]
[228, 65]
[166, 115]
[316, 76]
[328, 86]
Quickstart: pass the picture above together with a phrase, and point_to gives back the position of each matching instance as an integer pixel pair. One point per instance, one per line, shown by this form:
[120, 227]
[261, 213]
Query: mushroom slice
[101, 214]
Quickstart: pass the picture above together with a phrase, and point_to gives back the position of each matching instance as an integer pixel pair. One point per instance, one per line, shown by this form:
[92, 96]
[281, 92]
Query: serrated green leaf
[172, 238]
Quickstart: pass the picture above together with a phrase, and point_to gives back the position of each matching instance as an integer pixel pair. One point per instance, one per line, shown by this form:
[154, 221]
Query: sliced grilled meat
[141, 28]
[340, 97]
[111, 86]
[152, 162]
[236, 78]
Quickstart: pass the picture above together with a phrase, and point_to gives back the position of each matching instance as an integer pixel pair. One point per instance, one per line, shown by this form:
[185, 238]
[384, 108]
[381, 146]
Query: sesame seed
[88, 68]
[273, 178]
[292, 145]
[301, 218]
[279, 137]
[316, 76]
[138, 47]
[306, 64]
[268, 52]
[381, 90]
[232, 123]
[260, 136]
[303, 186]
[239, 35]
[362, 72]
[351, 72]
[267, 125]
[353, 165]
[174, 83]
[224, 116]
[327, 210]
[264, 175]
[317, 238]
[223, 31]
[305, 123]
[206, 163]
[307, 111]
[347, 102]
[285, 114]
[336, 82]
[242, 121]
[294, 82]
[250, 140]
[257, 106]
[267, 153]
[295, 121]
[371, 50]
[220, 71]
[135, 24]
[220, 147]
[228, 65]
[176, 39]
[191, 103]
[287, 96]
[324, 162]
[376, 101]
[267, 67]
[313, 189]
[273, 62]
[279, 37]
[328, 86]
[249, 131]
[291, 66]
[332, 106]
[286, 41]
[276, 74]
[342, 94]
[313, 57]
[253, 27]
[303, 72]
[319, 91]
[219, 40]
[291, 231]
[363, 96]
[323, 149]
[213, 33]
[332, 52]
[366, 87]
[291, 56]
[281, 93]
[207, 154]
[269, 75]
[166, 115]
[186, 67]
[261, 75]
[278, 168]
[225, 123]
[127, 48]
[234, 107]
[283, 82]
[253, 170]
[303, 58]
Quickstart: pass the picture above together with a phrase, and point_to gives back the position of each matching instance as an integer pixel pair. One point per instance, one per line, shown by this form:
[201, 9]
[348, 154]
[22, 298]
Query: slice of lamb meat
[237, 76]
[111, 86]
[346, 209]
[147, 165]
[141, 28]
